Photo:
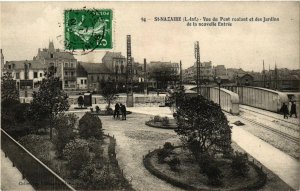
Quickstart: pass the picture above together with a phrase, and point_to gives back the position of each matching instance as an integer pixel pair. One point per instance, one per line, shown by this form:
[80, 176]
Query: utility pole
[197, 56]
[129, 74]
[276, 77]
[145, 77]
[264, 74]
[180, 74]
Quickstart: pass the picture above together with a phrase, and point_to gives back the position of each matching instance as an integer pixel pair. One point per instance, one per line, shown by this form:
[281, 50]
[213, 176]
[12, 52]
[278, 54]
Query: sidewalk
[281, 164]
[11, 178]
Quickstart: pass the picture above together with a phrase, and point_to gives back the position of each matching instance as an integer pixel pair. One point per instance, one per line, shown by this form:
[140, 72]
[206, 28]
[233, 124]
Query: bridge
[231, 97]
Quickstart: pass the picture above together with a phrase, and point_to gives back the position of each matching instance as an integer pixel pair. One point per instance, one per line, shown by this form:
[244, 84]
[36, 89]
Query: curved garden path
[134, 140]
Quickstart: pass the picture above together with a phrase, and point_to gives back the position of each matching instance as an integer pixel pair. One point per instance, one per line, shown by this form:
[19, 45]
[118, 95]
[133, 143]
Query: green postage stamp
[88, 29]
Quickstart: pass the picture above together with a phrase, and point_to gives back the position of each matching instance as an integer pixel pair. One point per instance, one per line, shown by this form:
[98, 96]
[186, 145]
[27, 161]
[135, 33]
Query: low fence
[38, 174]
[139, 100]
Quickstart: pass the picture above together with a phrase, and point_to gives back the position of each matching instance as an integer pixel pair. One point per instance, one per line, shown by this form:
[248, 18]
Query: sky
[27, 26]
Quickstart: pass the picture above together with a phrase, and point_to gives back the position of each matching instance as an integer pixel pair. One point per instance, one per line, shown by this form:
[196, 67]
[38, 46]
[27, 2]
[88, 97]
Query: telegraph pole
[129, 74]
[197, 56]
[145, 77]
[264, 74]
[180, 73]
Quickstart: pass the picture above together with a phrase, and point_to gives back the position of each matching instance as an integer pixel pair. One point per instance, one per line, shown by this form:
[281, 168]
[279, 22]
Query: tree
[64, 125]
[109, 92]
[202, 126]
[163, 74]
[80, 101]
[9, 89]
[12, 111]
[90, 126]
[49, 101]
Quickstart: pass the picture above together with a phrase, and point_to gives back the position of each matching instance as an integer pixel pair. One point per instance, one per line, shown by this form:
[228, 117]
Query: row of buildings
[77, 75]
[282, 79]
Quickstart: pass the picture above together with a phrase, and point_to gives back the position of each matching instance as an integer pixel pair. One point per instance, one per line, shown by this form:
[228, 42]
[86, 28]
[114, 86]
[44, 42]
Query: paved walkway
[11, 178]
[283, 165]
[286, 167]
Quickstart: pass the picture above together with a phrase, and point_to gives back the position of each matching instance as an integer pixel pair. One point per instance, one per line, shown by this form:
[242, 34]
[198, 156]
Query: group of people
[285, 110]
[120, 109]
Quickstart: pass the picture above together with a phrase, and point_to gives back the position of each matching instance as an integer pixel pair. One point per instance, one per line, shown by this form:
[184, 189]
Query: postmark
[88, 29]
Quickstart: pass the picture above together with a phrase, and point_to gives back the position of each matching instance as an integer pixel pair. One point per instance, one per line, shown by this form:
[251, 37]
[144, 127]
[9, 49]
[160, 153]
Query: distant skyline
[27, 26]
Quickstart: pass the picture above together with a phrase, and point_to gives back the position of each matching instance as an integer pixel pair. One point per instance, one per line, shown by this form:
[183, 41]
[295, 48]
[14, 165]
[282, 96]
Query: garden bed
[159, 124]
[105, 113]
[188, 175]
[44, 149]
[80, 107]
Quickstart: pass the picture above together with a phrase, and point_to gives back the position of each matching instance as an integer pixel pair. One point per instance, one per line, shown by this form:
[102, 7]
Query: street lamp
[218, 80]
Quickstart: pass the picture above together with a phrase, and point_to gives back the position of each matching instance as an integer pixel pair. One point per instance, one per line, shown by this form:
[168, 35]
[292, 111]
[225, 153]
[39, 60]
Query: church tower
[51, 46]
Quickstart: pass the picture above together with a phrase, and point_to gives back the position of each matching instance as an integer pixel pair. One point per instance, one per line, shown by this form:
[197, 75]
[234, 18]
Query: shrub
[168, 146]
[239, 164]
[214, 174]
[165, 121]
[97, 109]
[109, 111]
[38, 145]
[64, 125]
[204, 162]
[77, 154]
[92, 109]
[162, 154]
[90, 126]
[174, 163]
[157, 118]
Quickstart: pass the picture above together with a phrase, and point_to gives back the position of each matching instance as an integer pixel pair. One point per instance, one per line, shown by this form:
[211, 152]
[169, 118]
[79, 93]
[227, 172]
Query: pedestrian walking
[117, 111]
[284, 109]
[123, 110]
[293, 110]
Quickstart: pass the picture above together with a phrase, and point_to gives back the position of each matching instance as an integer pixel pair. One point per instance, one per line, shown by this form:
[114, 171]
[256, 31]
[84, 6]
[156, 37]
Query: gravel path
[134, 140]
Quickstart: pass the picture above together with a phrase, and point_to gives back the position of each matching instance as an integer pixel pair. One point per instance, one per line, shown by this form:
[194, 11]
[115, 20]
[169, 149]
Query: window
[66, 64]
[84, 81]
[41, 74]
[51, 55]
[72, 65]
[81, 81]
[92, 78]
[72, 73]
[9, 66]
[66, 82]
[18, 75]
[66, 73]
[35, 75]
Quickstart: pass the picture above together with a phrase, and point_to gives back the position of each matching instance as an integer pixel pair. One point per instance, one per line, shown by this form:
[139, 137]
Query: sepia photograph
[150, 95]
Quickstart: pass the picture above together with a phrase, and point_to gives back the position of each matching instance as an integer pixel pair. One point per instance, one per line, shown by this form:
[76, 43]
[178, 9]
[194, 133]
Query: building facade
[64, 63]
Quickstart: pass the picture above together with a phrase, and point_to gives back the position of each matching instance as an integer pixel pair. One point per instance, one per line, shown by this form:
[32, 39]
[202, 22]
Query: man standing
[123, 110]
[284, 109]
[116, 112]
[293, 110]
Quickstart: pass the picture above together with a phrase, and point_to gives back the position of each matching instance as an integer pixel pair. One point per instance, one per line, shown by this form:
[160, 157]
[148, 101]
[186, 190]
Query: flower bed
[188, 175]
[151, 123]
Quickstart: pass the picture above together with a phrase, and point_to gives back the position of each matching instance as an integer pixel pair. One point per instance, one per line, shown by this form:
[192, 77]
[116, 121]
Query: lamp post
[218, 80]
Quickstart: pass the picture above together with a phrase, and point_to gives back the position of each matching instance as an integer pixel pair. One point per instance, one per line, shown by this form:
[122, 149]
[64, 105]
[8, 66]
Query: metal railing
[37, 173]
